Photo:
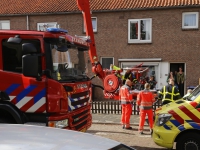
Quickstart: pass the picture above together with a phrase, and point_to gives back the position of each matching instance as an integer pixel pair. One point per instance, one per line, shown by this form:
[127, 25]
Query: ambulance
[177, 124]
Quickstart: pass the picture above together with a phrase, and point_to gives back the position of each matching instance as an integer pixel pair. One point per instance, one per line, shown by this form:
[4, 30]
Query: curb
[115, 123]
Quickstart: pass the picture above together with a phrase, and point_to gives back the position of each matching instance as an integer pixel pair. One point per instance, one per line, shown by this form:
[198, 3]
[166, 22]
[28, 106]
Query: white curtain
[147, 29]
[190, 20]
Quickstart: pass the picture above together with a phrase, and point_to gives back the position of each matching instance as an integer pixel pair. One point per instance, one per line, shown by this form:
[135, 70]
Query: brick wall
[169, 41]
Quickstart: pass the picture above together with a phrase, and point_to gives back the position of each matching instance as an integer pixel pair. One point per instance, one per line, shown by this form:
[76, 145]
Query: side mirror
[30, 66]
[28, 48]
[15, 39]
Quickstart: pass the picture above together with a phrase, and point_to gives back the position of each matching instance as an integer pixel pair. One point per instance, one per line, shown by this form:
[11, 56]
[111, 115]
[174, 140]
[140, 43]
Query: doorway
[175, 67]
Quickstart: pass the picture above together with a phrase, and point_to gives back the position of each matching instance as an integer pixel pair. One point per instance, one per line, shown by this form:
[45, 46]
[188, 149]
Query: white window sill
[139, 41]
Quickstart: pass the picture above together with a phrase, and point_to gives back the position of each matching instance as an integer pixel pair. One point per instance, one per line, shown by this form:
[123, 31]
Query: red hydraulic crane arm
[111, 82]
[84, 6]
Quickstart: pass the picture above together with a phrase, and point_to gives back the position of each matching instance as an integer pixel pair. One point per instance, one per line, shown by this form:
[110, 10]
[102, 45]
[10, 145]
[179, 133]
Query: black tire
[188, 141]
[5, 120]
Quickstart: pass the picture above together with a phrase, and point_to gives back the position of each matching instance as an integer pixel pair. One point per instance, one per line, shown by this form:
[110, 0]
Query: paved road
[113, 119]
[108, 126]
[128, 137]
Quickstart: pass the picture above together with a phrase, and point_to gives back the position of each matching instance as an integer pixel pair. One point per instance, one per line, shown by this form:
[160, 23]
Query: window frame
[190, 27]
[4, 21]
[137, 40]
[101, 60]
[55, 25]
[94, 29]
[12, 56]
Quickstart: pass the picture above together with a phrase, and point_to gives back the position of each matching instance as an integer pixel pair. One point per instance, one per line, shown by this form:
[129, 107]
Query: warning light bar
[56, 30]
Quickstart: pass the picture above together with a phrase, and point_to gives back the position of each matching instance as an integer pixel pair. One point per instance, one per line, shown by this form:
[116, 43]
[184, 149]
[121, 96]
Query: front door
[174, 67]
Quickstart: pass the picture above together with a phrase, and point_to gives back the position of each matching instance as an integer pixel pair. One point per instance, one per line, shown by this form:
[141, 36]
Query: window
[106, 62]
[44, 26]
[190, 20]
[12, 55]
[140, 30]
[153, 69]
[5, 24]
[94, 24]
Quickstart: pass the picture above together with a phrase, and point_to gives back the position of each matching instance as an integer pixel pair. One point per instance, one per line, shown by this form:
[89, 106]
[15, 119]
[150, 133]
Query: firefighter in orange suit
[145, 100]
[126, 102]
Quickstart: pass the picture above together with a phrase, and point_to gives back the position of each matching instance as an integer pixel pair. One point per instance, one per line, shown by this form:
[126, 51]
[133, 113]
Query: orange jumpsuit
[126, 102]
[145, 100]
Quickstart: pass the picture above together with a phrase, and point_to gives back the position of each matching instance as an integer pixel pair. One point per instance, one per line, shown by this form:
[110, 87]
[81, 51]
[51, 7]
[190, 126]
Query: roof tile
[10, 7]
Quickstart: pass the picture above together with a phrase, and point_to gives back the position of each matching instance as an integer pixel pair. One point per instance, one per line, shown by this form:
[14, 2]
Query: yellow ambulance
[177, 124]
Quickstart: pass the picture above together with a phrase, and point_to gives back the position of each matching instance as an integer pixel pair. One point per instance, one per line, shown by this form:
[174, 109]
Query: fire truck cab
[43, 80]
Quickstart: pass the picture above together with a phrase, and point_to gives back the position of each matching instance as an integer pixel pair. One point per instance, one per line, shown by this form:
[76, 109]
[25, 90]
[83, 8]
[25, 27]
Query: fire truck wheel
[5, 120]
[188, 141]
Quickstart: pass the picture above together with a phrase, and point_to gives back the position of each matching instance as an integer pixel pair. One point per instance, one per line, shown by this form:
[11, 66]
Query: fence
[114, 107]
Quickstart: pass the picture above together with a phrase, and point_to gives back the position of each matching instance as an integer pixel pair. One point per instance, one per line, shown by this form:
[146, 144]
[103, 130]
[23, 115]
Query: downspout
[159, 79]
[27, 23]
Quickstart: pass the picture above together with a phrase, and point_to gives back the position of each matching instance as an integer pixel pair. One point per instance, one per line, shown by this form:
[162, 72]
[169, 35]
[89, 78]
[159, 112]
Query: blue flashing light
[57, 30]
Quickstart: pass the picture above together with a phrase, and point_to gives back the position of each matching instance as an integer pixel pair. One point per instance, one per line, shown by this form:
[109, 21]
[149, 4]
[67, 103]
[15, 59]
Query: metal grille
[80, 117]
[79, 120]
[78, 100]
[81, 125]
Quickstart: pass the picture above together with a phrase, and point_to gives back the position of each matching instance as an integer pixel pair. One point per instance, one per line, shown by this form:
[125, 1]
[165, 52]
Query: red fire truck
[40, 84]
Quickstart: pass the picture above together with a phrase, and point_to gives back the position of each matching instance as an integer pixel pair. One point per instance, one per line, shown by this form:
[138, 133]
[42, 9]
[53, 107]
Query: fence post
[111, 103]
[105, 109]
[93, 109]
[98, 109]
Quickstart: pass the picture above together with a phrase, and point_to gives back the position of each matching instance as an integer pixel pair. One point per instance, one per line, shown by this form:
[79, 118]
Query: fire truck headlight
[58, 124]
[162, 119]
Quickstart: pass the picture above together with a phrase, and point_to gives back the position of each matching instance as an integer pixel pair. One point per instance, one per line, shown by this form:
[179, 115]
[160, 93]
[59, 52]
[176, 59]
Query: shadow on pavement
[96, 131]
[147, 148]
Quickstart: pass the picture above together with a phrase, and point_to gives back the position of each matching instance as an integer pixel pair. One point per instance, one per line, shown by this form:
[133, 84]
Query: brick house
[163, 35]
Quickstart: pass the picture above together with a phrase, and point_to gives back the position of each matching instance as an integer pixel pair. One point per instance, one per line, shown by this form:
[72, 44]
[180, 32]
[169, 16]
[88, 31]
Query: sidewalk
[113, 119]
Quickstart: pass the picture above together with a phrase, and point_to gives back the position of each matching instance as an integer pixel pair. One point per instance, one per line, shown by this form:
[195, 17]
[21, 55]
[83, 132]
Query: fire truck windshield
[68, 65]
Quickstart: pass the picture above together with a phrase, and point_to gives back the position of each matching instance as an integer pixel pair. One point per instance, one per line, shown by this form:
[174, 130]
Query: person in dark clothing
[152, 82]
[169, 93]
[175, 78]
[172, 76]
[128, 75]
[180, 81]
